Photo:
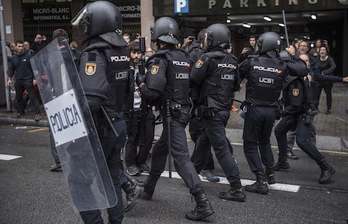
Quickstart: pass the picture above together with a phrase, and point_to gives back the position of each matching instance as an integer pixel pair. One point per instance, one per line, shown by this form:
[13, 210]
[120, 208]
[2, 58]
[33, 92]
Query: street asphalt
[31, 194]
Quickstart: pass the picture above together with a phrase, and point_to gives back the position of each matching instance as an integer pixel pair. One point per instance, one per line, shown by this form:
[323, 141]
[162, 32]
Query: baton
[169, 120]
[109, 122]
[286, 29]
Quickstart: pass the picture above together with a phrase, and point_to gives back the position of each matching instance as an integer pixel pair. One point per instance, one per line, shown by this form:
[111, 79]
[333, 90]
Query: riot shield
[76, 139]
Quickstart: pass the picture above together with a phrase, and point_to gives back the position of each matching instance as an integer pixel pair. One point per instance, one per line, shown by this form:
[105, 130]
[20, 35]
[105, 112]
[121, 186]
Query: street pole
[4, 56]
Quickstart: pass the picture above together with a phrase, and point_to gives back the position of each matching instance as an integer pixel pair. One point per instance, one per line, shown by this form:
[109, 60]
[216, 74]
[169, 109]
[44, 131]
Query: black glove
[94, 103]
[140, 79]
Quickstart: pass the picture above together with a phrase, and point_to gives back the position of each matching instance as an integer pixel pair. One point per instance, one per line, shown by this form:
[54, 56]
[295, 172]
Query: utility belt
[102, 124]
[204, 111]
[139, 110]
[280, 107]
[175, 109]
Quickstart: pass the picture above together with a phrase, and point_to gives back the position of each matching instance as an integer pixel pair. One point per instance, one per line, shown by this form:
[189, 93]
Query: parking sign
[181, 6]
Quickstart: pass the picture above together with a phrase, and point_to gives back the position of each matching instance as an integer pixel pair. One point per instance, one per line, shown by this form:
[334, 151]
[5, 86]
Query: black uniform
[167, 78]
[265, 76]
[215, 76]
[104, 72]
[299, 110]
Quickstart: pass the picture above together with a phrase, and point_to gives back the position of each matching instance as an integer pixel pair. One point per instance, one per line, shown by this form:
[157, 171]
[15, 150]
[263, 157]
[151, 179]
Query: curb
[24, 122]
[331, 143]
[324, 143]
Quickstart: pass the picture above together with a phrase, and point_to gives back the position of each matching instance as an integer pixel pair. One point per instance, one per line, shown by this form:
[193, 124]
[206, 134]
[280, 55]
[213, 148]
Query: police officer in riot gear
[215, 76]
[265, 74]
[167, 82]
[104, 71]
[299, 110]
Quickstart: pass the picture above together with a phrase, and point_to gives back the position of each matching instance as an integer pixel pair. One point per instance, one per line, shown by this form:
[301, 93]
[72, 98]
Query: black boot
[326, 171]
[233, 195]
[203, 207]
[269, 172]
[281, 165]
[260, 186]
[133, 189]
[149, 188]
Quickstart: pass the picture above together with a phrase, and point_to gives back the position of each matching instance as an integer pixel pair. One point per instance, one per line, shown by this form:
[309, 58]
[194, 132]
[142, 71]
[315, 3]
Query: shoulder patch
[295, 92]
[154, 69]
[199, 64]
[90, 68]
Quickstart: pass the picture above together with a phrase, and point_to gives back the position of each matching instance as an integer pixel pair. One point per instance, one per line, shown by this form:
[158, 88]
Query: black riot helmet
[217, 35]
[269, 43]
[166, 30]
[100, 18]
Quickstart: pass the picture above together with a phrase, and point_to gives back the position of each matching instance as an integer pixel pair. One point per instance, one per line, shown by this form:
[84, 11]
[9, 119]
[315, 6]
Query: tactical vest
[174, 81]
[265, 81]
[298, 93]
[294, 93]
[217, 87]
[118, 75]
[178, 77]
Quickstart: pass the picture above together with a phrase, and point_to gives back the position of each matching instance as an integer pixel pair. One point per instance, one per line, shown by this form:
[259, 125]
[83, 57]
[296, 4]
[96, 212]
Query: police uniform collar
[114, 39]
[96, 43]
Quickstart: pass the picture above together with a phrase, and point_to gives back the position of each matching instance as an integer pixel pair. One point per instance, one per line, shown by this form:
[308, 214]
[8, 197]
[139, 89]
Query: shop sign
[46, 13]
[238, 7]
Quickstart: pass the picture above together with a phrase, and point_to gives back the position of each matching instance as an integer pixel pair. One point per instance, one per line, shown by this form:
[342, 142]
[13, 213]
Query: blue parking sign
[181, 6]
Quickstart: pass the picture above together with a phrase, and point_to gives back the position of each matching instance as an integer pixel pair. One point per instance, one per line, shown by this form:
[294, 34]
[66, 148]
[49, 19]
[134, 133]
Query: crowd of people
[193, 84]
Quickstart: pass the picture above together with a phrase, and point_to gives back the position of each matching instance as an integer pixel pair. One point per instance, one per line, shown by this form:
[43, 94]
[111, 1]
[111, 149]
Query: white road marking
[8, 157]
[223, 180]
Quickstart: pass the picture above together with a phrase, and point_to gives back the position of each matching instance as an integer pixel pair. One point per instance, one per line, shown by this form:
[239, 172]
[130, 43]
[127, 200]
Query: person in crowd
[74, 50]
[25, 80]
[188, 43]
[265, 74]
[214, 77]
[148, 53]
[251, 50]
[106, 85]
[27, 48]
[39, 43]
[295, 43]
[57, 165]
[326, 66]
[196, 127]
[13, 48]
[303, 48]
[126, 38]
[299, 110]
[136, 159]
[315, 50]
[166, 83]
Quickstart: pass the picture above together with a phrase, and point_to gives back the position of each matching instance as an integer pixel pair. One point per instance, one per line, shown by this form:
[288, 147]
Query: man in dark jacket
[21, 67]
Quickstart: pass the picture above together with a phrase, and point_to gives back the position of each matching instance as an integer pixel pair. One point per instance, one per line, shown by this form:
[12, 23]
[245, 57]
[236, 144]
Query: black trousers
[302, 133]
[112, 151]
[179, 151]
[257, 130]
[132, 155]
[215, 136]
[196, 128]
[20, 86]
[327, 86]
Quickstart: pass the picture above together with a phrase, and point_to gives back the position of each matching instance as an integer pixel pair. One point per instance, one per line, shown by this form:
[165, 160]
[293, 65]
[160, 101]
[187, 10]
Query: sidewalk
[332, 129]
